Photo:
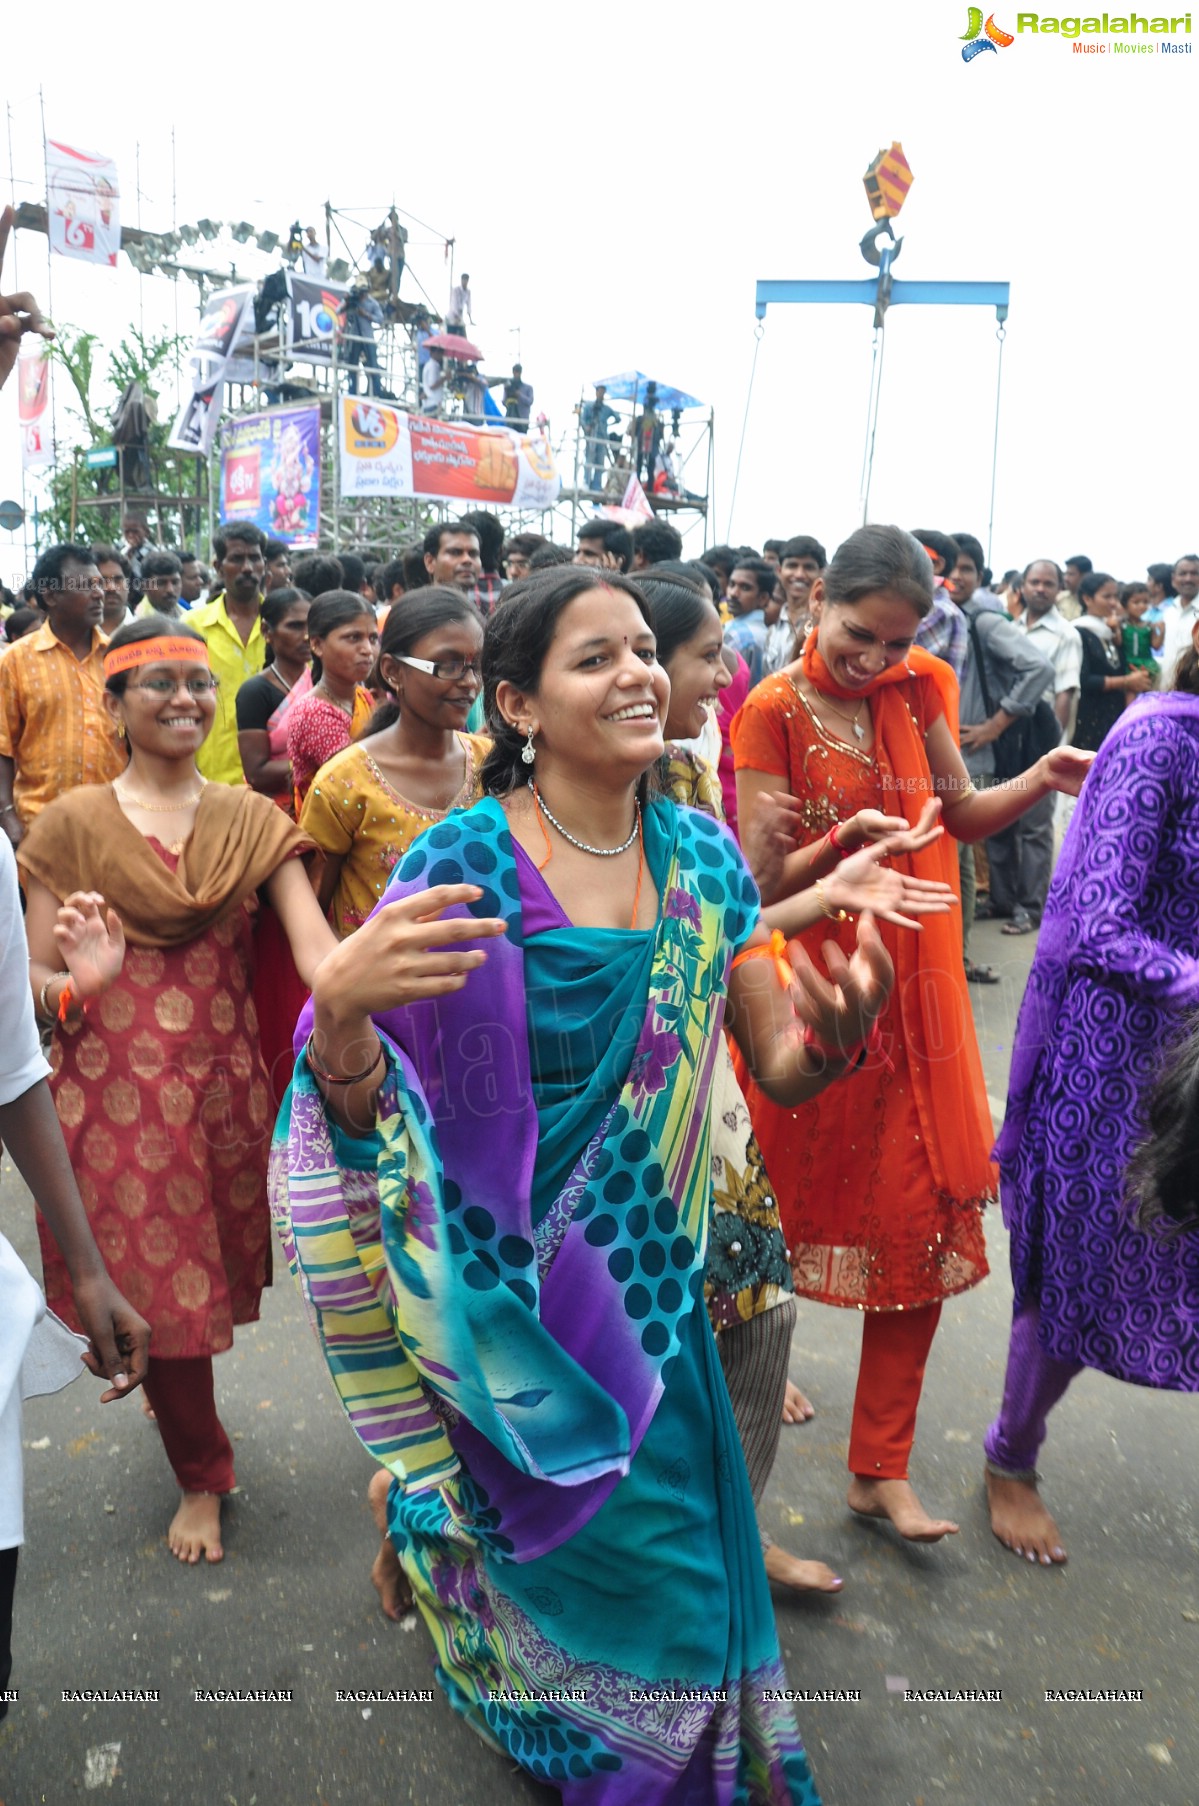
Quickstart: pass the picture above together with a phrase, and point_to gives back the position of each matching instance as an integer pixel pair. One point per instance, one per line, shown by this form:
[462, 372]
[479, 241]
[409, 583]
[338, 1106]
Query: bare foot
[796, 1408]
[896, 1500]
[804, 1576]
[1021, 1522]
[147, 1407]
[387, 1576]
[196, 1528]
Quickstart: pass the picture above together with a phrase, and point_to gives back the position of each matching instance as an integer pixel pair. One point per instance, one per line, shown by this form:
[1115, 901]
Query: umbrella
[631, 385]
[453, 346]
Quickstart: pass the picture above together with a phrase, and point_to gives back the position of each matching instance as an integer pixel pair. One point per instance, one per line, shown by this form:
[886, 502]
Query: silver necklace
[540, 803]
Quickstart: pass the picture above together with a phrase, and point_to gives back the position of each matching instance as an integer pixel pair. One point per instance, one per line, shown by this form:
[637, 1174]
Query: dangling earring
[527, 753]
[120, 730]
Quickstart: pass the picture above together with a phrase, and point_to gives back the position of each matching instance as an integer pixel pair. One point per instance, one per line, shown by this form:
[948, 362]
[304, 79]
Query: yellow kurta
[354, 815]
[233, 660]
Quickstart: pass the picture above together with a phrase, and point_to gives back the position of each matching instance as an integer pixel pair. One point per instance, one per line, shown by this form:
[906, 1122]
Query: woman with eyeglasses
[141, 900]
[414, 763]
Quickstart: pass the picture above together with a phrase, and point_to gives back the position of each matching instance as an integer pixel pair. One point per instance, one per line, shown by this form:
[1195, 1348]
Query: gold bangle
[43, 1002]
[834, 915]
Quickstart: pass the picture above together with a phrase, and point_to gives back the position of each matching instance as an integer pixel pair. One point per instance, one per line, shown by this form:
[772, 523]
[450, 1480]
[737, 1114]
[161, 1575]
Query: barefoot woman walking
[882, 1184]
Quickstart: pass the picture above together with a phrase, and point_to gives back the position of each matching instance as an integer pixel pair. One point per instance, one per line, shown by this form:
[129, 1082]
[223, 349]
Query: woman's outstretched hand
[860, 884]
[841, 1009]
[407, 951]
[91, 941]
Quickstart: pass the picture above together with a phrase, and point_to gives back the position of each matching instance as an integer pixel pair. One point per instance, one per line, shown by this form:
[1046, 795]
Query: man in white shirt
[458, 313]
[1181, 616]
[314, 257]
[432, 382]
[1053, 636]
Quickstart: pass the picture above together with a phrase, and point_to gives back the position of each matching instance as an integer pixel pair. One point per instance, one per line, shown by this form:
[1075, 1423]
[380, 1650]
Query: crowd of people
[569, 947]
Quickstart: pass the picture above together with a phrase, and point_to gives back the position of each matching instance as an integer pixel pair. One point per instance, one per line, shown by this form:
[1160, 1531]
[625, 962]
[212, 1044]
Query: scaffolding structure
[602, 465]
[267, 372]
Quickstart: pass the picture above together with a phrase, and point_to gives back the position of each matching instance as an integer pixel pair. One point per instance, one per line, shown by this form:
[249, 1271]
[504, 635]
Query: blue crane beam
[941, 294]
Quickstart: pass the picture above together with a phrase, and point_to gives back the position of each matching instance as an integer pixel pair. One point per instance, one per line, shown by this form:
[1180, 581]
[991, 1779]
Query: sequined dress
[162, 1097]
[867, 1226]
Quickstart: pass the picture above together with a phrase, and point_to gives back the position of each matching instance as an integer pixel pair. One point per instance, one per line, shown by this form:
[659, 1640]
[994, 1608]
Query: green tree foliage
[85, 504]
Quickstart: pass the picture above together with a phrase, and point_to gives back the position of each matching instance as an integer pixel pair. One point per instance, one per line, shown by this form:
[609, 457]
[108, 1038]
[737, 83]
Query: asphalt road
[100, 1602]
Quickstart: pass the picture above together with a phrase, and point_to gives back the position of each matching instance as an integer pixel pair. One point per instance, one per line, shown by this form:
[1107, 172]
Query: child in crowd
[1139, 638]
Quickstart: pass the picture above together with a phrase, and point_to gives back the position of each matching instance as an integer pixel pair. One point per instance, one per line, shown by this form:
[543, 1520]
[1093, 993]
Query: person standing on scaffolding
[458, 314]
[596, 418]
[363, 314]
[646, 433]
[518, 398]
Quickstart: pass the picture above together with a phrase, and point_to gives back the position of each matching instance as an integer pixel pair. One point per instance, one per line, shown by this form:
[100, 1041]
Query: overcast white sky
[617, 182]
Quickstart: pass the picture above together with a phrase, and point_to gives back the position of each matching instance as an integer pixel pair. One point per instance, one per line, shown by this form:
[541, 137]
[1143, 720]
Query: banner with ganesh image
[384, 451]
[271, 473]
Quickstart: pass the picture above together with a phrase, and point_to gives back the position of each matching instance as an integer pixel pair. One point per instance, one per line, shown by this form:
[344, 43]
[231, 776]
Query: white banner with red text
[384, 451]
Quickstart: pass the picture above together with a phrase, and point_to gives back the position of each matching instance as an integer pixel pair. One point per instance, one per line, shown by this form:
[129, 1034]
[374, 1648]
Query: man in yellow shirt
[236, 648]
[55, 732]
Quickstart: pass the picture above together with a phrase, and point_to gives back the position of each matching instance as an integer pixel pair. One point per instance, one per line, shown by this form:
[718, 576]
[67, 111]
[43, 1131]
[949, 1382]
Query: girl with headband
[141, 901]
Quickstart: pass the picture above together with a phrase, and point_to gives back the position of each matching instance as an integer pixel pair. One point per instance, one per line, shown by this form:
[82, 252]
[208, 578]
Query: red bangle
[842, 852]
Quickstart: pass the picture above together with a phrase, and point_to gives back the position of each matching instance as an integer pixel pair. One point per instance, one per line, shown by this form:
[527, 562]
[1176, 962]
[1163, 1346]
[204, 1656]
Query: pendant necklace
[859, 732]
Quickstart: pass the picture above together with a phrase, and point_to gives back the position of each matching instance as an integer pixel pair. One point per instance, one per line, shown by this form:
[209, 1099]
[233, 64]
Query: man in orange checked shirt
[55, 733]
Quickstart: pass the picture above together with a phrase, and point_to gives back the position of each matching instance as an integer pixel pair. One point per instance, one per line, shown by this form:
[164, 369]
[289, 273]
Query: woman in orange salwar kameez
[883, 1181]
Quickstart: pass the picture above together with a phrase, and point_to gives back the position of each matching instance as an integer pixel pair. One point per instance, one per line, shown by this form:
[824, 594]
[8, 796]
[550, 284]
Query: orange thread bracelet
[775, 949]
[66, 997]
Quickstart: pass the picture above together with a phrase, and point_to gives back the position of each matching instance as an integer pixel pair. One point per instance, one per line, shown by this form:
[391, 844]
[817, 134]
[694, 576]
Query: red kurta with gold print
[162, 1096]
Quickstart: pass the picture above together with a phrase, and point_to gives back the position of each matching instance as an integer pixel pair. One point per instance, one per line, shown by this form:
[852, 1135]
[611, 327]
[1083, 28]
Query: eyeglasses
[200, 685]
[445, 670]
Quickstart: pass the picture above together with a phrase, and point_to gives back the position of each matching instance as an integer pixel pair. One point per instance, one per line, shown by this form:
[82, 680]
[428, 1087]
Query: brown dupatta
[84, 841]
[930, 980]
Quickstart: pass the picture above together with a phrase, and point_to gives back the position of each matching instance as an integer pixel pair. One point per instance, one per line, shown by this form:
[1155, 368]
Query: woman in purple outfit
[1116, 971]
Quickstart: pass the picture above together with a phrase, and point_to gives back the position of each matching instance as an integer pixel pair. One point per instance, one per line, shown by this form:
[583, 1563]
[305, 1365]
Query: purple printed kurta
[1115, 975]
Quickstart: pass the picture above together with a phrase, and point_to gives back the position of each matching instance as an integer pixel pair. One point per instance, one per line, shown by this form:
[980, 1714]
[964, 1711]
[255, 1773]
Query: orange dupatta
[930, 979]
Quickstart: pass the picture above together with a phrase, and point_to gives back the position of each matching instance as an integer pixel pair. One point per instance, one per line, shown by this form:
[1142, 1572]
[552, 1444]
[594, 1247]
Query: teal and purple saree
[508, 1285]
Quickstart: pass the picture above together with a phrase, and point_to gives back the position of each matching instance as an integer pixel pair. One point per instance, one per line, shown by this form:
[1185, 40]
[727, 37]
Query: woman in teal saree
[492, 1177]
